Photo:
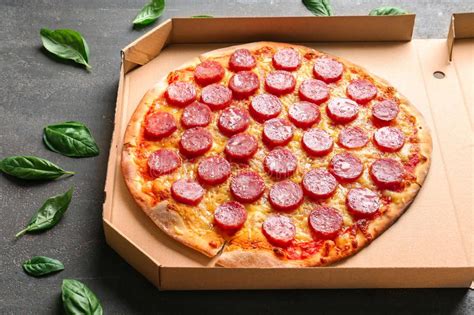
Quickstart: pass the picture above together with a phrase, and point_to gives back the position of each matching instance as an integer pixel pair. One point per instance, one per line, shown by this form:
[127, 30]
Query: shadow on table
[18, 182]
[55, 58]
[125, 291]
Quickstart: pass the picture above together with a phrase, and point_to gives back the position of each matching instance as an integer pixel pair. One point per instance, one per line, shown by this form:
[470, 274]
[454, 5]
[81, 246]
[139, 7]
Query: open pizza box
[431, 245]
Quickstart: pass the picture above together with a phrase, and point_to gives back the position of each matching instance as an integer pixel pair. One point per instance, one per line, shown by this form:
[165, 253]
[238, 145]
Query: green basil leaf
[79, 299]
[388, 11]
[31, 168]
[202, 16]
[42, 265]
[70, 138]
[66, 44]
[49, 214]
[149, 13]
[319, 7]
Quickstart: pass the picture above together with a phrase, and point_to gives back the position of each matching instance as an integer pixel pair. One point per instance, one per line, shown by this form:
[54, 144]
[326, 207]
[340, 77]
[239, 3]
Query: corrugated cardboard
[430, 246]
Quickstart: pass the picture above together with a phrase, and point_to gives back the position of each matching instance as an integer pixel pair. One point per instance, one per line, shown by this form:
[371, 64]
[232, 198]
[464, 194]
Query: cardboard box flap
[146, 47]
[296, 29]
[464, 25]
[248, 29]
[454, 134]
[461, 54]
[461, 27]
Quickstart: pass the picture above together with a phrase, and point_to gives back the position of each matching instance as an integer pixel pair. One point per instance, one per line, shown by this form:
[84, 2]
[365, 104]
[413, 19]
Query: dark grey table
[36, 89]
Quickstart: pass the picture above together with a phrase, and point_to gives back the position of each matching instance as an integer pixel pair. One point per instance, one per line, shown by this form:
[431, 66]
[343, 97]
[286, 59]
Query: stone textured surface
[36, 89]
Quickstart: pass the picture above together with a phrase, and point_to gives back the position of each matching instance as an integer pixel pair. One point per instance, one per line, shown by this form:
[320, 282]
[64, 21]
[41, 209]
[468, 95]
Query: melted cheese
[199, 219]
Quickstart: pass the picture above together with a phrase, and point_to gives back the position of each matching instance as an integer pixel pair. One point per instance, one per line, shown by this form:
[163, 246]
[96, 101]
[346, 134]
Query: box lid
[248, 29]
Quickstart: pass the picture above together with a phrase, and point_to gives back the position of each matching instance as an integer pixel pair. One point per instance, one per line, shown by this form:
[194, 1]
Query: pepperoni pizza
[270, 154]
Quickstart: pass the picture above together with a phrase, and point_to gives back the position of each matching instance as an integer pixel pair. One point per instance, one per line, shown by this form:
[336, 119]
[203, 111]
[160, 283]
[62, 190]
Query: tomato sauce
[412, 162]
[303, 250]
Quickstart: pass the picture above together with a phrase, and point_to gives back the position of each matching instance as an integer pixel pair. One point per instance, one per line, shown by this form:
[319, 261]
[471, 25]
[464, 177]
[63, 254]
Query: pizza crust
[170, 222]
[226, 51]
[266, 258]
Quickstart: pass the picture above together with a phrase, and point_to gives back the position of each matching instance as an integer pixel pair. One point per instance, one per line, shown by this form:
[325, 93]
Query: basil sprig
[388, 11]
[66, 44]
[149, 13]
[79, 299]
[49, 214]
[70, 138]
[31, 168]
[319, 7]
[41, 265]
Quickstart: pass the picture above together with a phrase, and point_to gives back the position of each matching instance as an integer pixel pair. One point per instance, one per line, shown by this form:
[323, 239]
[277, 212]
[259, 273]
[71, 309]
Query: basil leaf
[319, 7]
[42, 265]
[149, 13]
[70, 138]
[66, 44]
[202, 16]
[79, 299]
[388, 11]
[49, 214]
[31, 167]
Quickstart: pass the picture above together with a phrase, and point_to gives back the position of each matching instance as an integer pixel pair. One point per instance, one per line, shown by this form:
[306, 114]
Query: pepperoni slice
[280, 163]
[304, 114]
[244, 84]
[353, 138]
[389, 139]
[196, 114]
[247, 187]
[180, 93]
[195, 141]
[160, 125]
[361, 91]
[286, 59]
[285, 196]
[242, 59]
[264, 107]
[216, 96]
[346, 167]
[319, 183]
[280, 82]
[162, 161]
[213, 170]
[314, 91]
[241, 147]
[277, 132]
[387, 173]
[230, 216]
[233, 120]
[208, 72]
[327, 69]
[325, 222]
[317, 142]
[187, 191]
[362, 202]
[279, 230]
[385, 111]
[342, 110]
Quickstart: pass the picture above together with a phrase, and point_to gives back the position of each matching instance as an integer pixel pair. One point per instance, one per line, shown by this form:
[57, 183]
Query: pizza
[274, 155]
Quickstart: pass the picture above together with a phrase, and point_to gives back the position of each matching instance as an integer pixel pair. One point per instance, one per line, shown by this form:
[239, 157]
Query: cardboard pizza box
[431, 245]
